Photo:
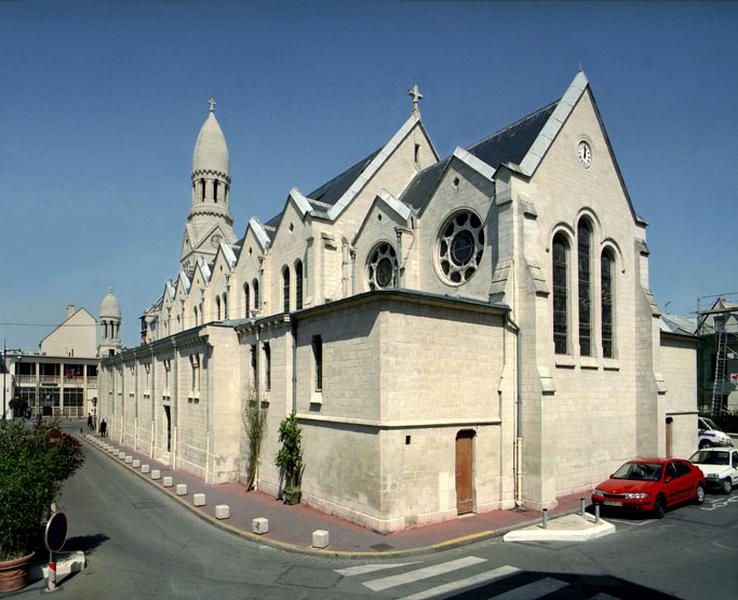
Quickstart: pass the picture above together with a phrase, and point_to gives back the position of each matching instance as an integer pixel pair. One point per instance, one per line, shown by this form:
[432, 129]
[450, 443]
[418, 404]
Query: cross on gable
[414, 93]
[211, 102]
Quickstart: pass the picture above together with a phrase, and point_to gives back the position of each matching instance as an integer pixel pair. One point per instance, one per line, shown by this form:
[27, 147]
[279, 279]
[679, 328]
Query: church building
[455, 334]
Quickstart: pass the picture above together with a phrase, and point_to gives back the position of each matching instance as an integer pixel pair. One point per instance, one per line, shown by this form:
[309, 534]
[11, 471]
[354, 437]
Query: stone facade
[461, 333]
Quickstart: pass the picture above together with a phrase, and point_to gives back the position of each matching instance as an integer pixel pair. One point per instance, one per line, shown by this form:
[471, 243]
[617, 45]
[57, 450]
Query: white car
[719, 465]
[710, 435]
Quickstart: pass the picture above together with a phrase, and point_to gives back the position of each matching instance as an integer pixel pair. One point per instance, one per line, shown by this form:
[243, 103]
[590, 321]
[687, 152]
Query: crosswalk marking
[364, 569]
[530, 591]
[384, 583]
[485, 577]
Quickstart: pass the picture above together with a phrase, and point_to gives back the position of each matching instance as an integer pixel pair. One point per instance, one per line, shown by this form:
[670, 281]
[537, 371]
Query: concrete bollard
[167, 482]
[145, 468]
[260, 525]
[136, 463]
[121, 455]
[544, 518]
[155, 474]
[198, 499]
[597, 513]
[320, 538]
[129, 459]
[222, 511]
[181, 489]
[581, 506]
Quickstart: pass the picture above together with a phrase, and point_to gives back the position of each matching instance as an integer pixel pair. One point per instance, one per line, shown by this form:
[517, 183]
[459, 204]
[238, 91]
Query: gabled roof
[421, 188]
[676, 324]
[80, 309]
[331, 191]
[228, 254]
[511, 144]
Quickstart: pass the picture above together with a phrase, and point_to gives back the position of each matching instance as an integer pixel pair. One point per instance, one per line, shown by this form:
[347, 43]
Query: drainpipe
[518, 443]
[293, 331]
[173, 404]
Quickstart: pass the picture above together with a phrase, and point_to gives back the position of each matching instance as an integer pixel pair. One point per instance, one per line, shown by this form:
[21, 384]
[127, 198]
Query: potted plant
[33, 465]
[289, 458]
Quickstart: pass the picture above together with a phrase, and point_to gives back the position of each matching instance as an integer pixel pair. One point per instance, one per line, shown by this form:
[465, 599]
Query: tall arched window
[215, 191]
[217, 308]
[560, 293]
[298, 285]
[246, 301]
[286, 289]
[202, 190]
[195, 312]
[584, 261]
[225, 305]
[255, 287]
[607, 277]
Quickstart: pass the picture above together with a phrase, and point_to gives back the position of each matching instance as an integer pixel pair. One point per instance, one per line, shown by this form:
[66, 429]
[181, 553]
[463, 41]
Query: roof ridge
[367, 159]
[513, 124]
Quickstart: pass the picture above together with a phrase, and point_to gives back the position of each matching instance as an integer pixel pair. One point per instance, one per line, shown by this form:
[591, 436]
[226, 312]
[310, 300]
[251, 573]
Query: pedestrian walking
[103, 428]
[89, 422]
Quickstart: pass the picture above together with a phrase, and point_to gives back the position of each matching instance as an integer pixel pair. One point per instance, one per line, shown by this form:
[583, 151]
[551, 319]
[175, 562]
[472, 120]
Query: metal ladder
[721, 373]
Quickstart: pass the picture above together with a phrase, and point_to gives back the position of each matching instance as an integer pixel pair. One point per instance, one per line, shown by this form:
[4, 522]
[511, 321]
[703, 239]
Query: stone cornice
[196, 175]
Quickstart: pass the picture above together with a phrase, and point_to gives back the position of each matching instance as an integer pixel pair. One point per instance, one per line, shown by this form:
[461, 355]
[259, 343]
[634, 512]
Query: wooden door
[464, 470]
[669, 421]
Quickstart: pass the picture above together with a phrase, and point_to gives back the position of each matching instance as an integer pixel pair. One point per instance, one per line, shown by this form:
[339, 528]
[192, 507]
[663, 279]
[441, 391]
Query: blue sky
[101, 102]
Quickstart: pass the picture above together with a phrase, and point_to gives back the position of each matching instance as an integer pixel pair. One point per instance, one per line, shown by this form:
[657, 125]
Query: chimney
[70, 310]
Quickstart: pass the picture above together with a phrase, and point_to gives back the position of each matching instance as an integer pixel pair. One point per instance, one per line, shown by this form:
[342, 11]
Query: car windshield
[710, 458]
[709, 423]
[639, 472]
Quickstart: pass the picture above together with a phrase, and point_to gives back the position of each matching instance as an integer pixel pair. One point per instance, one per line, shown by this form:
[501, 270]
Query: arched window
[225, 305]
[215, 190]
[105, 329]
[217, 308]
[560, 293]
[202, 190]
[195, 311]
[286, 289]
[298, 285]
[607, 268]
[246, 301]
[255, 287]
[584, 262]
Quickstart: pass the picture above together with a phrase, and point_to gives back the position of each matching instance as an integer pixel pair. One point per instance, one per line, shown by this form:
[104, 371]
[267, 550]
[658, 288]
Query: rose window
[460, 246]
[381, 268]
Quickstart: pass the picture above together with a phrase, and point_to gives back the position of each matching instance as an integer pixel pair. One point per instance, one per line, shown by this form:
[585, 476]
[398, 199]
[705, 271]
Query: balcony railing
[91, 382]
[21, 379]
[49, 379]
[74, 380]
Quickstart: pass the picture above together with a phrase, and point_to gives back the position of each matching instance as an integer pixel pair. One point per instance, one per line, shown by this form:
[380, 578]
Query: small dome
[110, 307]
[211, 151]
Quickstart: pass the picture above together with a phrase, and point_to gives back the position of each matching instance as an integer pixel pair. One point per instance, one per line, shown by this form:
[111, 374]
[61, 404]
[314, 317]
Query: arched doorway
[464, 471]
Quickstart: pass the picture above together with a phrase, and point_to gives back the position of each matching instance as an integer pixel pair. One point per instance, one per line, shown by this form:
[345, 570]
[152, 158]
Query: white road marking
[384, 583]
[537, 589]
[634, 523]
[485, 577]
[603, 596]
[363, 569]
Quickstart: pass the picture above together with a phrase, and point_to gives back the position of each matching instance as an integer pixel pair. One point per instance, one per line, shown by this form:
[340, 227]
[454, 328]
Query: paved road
[141, 544]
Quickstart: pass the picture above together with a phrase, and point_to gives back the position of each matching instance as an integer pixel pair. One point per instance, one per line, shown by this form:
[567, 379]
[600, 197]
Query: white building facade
[455, 334]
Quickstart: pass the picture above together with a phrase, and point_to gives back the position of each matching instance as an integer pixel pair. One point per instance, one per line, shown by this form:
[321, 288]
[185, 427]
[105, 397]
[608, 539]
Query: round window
[381, 268]
[460, 247]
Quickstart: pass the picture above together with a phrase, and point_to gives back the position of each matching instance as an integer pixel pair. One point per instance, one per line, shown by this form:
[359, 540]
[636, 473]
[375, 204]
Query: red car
[651, 485]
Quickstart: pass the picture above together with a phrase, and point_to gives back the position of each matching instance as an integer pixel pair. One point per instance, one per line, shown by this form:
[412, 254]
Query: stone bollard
[544, 518]
[581, 506]
[320, 538]
[155, 474]
[121, 455]
[168, 482]
[222, 511]
[260, 525]
[136, 463]
[181, 489]
[129, 459]
[198, 499]
[145, 468]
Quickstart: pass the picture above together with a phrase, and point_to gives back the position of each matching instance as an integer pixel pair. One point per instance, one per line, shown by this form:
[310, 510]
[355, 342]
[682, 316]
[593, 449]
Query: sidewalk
[291, 527]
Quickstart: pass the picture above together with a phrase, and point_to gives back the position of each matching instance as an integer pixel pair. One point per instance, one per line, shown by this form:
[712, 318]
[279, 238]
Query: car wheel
[699, 497]
[659, 508]
[705, 444]
[726, 485]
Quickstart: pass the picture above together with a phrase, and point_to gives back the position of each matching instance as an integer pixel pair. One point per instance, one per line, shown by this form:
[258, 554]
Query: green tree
[253, 419]
[289, 457]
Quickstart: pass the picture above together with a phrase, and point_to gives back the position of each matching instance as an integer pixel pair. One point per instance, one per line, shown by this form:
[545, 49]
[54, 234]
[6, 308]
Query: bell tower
[209, 221]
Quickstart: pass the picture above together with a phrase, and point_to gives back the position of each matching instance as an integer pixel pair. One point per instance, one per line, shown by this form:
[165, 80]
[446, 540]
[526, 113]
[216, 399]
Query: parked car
[651, 485]
[719, 465]
[710, 435]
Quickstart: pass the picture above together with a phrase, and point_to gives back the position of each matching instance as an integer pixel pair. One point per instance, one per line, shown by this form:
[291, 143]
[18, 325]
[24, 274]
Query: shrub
[33, 465]
[289, 457]
[254, 423]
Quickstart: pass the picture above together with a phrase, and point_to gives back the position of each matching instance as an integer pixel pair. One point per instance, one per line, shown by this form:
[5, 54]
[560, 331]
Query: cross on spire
[211, 102]
[414, 93]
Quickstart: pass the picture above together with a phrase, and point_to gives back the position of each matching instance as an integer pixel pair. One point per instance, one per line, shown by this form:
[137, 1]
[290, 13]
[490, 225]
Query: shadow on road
[86, 543]
[535, 584]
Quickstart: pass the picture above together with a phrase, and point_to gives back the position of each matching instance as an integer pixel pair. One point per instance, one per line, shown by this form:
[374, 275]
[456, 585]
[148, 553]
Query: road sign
[56, 532]
[734, 377]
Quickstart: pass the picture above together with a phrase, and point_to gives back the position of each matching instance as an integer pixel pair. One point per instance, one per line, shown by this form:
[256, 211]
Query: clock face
[215, 240]
[585, 154]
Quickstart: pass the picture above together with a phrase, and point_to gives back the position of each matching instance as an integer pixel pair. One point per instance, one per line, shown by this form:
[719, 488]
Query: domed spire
[110, 307]
[211, 150]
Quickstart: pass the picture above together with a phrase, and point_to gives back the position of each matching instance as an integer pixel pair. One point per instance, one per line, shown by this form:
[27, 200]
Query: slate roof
[511, 144]
[331, 192]
[678, 324]
[421, 188]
